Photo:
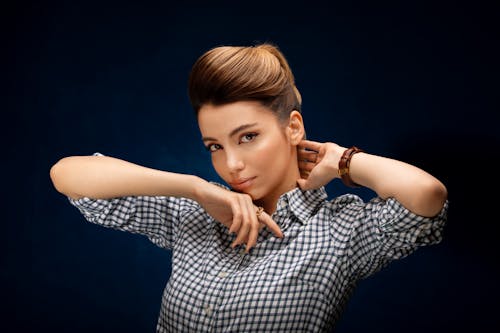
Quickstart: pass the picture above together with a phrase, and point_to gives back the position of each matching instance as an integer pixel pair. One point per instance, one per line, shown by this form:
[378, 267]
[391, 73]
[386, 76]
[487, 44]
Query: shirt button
[223, 274]
[208, 310]
[283, 204]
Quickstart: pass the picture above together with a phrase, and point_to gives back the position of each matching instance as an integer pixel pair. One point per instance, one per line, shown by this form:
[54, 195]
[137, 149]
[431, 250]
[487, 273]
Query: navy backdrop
[404, 79]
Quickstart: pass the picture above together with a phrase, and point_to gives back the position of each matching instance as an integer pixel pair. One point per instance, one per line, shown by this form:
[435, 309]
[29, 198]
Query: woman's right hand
[237, 212]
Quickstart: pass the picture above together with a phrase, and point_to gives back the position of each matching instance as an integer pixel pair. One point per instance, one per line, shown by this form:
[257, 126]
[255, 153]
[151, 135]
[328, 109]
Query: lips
[242, 183]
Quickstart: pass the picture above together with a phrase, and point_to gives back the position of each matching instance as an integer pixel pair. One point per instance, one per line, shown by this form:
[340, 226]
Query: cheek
[218, 165]
[271, 152]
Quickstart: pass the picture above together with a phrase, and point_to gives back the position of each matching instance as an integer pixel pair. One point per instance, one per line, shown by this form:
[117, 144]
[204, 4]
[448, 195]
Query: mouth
[242, 184]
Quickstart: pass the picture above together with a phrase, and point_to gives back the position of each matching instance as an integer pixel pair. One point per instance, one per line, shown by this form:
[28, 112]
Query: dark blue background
[408, 80]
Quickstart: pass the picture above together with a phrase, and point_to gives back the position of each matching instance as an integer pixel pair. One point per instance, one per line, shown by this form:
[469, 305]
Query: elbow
[58, 176]
[432, 198]
[439, 193]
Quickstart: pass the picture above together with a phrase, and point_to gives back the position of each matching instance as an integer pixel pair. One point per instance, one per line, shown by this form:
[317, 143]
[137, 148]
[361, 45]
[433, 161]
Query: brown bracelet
[344, 163]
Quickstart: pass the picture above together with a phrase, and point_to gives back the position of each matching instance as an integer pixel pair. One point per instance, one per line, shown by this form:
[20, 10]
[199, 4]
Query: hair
[227, 74]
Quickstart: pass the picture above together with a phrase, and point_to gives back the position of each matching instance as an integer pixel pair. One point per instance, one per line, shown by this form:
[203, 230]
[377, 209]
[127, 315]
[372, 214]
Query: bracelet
[344, 163]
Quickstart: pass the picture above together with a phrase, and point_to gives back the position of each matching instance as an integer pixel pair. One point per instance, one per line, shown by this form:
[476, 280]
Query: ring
[259, 211]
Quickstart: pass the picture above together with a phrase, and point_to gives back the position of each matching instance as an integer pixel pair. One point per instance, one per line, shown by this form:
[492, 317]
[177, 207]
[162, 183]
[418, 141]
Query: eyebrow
[233, 132]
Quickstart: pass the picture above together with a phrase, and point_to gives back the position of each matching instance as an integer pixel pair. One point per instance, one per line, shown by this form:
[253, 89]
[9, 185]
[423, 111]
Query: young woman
[270, 253]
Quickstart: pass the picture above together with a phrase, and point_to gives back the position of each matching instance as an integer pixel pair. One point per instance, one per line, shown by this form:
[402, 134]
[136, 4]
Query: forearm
[103, 177]
[416, 189]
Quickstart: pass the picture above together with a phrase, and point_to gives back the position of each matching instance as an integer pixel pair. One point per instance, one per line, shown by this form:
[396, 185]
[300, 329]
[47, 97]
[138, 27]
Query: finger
[245, 223]
[311, 145]
[252, 237]
[242, 235]
[307, 155]
[254, 225]
[303, 184]
[306, 166]
[312, 182]
[269, 222]
[237, 218]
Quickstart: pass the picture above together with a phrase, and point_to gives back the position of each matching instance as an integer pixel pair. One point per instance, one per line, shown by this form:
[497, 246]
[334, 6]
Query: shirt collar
[302, 204]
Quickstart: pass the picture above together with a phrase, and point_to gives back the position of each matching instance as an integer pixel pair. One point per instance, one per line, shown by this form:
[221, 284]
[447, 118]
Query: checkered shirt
[299, 283]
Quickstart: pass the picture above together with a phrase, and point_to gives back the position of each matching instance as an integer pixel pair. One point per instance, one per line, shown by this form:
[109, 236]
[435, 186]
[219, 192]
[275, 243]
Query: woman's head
[259, 73]
[247, 108]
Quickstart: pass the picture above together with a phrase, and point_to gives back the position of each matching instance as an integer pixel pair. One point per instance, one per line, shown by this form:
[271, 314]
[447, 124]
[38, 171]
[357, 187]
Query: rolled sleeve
[385, 230]
[405, 228]
[155, 217]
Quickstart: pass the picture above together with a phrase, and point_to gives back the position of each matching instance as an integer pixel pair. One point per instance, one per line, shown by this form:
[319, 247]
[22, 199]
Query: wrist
[344, 166]
[195, 186]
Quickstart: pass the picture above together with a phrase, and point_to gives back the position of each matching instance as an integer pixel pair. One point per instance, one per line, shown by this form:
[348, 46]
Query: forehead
[221, 119]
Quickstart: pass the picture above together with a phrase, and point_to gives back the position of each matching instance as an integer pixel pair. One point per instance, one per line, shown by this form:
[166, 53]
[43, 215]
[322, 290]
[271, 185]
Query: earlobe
[296, 127]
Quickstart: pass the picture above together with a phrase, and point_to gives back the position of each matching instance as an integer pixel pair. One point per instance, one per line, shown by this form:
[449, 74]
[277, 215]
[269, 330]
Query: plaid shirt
[299, 283]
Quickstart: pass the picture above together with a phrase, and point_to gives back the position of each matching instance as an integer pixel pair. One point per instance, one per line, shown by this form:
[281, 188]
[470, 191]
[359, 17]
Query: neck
[269, 203]
[289, 182]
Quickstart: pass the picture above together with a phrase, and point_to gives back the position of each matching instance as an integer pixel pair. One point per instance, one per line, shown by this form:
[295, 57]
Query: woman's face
[250, 149]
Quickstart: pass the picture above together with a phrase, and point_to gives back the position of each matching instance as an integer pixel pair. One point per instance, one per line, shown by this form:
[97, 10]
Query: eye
[213, 147]
[248, 137]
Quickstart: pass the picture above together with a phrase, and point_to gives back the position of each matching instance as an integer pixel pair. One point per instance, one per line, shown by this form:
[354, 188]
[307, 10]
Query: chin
[254, 194]
[249, 192]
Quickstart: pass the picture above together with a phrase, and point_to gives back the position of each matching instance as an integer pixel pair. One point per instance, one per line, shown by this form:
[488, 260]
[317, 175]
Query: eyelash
[209, 147]
[251, 135]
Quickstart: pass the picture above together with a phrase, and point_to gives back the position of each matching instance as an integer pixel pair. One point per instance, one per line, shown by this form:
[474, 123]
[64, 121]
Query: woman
[271, 254]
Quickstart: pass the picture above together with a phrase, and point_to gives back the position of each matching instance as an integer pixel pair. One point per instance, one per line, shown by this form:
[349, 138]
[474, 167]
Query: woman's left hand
[318, 163]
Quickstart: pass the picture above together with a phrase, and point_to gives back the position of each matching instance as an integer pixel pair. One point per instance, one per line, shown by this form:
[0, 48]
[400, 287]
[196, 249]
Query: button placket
[208, 310]
[222, 274]
[221, 268]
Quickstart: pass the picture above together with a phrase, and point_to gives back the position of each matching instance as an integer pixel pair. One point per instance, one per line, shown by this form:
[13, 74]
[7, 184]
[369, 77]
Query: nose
[234, 161]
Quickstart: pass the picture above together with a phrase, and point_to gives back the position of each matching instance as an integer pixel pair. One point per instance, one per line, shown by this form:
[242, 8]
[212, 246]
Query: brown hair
[227, 74]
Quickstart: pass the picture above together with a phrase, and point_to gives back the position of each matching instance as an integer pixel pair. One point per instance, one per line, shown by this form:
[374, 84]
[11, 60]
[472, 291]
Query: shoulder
[345, 202]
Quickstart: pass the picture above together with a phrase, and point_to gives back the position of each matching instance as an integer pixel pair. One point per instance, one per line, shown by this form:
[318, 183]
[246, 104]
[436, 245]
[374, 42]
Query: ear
[295, 128]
